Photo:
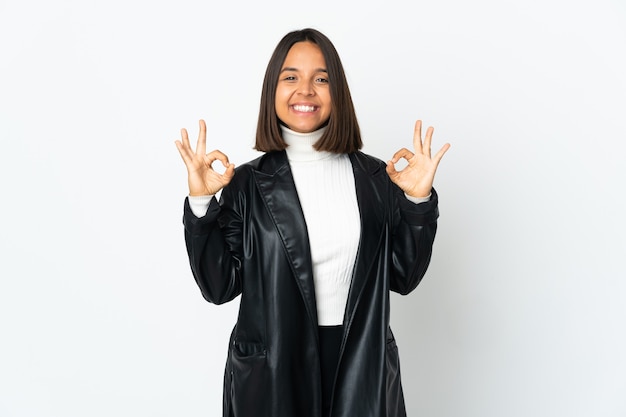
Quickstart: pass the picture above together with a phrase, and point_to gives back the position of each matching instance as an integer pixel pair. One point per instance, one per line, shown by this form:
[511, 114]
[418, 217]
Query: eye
[321, 80]
[289, 78]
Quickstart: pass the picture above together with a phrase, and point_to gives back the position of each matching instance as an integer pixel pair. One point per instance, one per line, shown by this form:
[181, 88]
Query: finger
[202, 136]
[441, 153]
[183, 152]
[229, 173]
[201, 146]
[391, 169]
[402, 153]
[219, 155]
[185, 146]
[213, 156]
[428, 141]
[417, 137]
[185, 137]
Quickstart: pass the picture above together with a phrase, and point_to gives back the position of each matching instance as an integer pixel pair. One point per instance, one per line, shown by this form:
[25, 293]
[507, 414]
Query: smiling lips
[304, 108]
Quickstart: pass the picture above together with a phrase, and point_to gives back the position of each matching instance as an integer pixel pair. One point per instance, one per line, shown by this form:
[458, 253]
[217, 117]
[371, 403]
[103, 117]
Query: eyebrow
[296, 69]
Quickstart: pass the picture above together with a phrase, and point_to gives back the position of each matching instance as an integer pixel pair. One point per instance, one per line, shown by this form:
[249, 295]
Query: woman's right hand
[202, 178]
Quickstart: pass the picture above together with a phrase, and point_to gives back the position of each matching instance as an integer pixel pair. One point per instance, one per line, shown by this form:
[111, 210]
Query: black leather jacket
[254, 243]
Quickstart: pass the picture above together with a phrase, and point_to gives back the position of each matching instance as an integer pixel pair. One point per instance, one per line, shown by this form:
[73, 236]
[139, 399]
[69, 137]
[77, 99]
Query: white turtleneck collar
[300, 145]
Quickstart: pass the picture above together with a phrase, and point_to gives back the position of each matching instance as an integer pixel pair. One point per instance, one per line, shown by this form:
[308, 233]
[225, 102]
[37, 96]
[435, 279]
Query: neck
[300, 145]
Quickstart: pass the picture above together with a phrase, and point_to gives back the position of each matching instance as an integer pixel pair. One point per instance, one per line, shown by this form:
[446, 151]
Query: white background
[522, 312]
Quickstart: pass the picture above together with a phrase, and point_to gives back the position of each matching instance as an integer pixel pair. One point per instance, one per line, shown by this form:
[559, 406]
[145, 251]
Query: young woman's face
[303, 94]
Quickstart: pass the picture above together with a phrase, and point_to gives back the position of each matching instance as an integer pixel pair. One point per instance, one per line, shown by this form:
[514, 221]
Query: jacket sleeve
[213, 246]
[414, 228]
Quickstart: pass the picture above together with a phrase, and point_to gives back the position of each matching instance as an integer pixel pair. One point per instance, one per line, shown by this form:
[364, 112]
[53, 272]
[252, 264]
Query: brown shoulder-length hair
[342, 134]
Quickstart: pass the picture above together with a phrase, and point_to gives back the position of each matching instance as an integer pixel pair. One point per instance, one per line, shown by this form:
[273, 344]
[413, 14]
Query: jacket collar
[276, 185]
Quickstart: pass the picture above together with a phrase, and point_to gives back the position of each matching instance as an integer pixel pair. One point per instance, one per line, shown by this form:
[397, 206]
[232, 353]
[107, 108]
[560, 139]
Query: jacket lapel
[370, 180]
[276, 186]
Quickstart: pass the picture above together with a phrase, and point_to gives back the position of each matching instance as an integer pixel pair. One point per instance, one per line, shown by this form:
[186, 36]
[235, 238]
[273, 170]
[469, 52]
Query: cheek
[329, 108]
[278, 101]
[328, 103]
[281, 101]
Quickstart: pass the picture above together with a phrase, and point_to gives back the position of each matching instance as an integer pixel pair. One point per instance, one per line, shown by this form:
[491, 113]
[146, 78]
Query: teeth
[304, 108]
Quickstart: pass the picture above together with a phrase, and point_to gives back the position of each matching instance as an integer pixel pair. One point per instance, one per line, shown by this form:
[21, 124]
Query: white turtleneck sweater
[326, 190]
[327, 193]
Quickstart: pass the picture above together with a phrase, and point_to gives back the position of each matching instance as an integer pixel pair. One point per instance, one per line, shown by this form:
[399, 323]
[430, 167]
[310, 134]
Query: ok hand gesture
[202, 178]
[416, 179]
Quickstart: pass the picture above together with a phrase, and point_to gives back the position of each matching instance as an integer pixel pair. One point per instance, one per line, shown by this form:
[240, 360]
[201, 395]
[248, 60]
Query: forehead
[303, 54]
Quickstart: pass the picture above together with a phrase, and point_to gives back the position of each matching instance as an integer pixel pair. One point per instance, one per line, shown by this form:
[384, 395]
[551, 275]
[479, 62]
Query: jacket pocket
[249, 380]
[395, 396]
[246, 349]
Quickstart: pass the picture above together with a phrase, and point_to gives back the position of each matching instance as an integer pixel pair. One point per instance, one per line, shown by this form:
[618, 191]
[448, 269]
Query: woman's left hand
[416, 179]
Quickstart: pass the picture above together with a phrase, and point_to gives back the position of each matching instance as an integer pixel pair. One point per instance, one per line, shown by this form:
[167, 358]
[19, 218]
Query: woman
[313, 235]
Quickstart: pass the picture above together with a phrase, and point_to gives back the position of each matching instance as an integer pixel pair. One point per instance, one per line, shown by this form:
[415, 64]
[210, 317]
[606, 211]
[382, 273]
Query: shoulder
[367, 163]
[267, 164]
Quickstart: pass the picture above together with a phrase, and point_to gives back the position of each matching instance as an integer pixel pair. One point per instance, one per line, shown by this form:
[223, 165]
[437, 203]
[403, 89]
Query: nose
[306, 88]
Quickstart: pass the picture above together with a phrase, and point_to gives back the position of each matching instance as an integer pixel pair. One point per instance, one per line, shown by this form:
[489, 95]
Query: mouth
[304, 108]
